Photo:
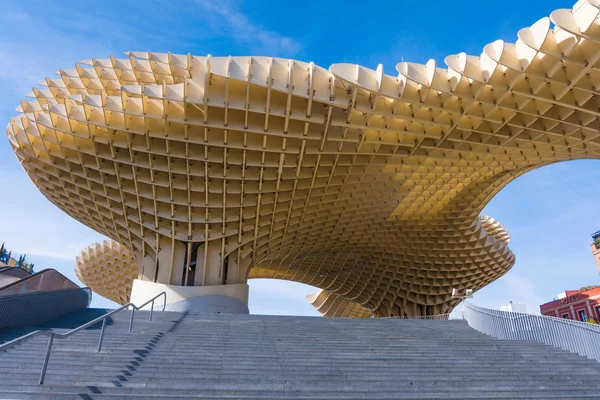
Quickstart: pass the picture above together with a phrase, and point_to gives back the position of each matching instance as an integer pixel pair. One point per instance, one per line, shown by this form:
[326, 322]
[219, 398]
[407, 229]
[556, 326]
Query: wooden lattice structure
[108, 268]
[364, 184]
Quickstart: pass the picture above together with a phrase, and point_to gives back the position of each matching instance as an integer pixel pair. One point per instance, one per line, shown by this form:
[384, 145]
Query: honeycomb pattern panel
[360, 182]
[108, 268]
[332, 305]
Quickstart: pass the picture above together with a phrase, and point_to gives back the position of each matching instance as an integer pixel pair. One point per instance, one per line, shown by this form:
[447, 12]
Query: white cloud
[224, 18]
[35, 226]
[511, 287]
[524, 291]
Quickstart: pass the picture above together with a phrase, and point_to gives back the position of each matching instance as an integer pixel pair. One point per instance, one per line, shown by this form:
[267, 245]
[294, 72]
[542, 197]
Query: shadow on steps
[68, 321]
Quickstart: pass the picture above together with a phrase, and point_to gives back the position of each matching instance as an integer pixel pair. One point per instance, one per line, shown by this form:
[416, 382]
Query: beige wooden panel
[366, 184]
[108, 269]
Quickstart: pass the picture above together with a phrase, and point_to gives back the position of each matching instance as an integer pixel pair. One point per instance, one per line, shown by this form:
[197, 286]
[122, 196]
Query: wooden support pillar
[232, 268]
[170, 260]
[213, 266]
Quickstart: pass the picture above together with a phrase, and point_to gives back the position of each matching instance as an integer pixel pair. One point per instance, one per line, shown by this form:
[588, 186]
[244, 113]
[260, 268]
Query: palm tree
[27, 267]
[3, 254]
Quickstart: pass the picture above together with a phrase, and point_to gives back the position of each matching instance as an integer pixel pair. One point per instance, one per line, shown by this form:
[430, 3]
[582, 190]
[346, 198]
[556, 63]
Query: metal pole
[101, 334]
[45, 366]
[131, 321]
[151, 311]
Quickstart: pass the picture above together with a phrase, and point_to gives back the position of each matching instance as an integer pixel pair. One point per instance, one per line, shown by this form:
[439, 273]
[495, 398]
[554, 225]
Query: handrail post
[131, 320]
[151, 310]
[46, 359]
[101, 334]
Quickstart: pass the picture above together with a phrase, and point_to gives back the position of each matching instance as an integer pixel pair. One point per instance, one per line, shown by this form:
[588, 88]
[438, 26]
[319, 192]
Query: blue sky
[550, 212]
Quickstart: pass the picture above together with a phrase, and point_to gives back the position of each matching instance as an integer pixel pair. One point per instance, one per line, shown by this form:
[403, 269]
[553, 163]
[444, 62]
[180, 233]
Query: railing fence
[52, 335]
[575, 336]
[426, 317]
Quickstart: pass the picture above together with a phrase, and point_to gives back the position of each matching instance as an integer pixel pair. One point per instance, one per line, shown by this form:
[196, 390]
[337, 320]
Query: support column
[216, 286]
[243, 266]
[213, 267]
[199, 274]
[218, 299]
[171, 258]
[232, 268]
[147, 268]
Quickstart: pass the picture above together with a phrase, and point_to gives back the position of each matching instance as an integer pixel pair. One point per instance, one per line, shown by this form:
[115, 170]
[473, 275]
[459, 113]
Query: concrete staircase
[262, 357]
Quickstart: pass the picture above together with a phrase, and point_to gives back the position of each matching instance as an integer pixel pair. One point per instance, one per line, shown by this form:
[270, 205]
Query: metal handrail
[518, 315]
[574, 336]
[443, 317]
[51, 334]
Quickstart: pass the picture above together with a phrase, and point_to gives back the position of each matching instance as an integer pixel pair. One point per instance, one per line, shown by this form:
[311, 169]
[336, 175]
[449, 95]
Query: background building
[582, 304]
[513, 307]
[579, 305]
[596, 248]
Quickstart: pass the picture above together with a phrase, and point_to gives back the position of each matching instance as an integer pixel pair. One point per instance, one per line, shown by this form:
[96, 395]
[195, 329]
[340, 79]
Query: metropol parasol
[209, 171]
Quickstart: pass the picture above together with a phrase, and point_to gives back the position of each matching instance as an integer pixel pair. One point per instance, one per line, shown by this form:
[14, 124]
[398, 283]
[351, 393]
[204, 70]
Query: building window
[582, 315]
[566, 316]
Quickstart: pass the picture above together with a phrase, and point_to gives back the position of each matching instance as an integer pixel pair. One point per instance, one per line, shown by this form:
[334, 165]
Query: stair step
[263, 357]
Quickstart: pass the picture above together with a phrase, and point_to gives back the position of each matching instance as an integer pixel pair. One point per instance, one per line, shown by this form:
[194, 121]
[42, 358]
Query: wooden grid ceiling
[364, 184]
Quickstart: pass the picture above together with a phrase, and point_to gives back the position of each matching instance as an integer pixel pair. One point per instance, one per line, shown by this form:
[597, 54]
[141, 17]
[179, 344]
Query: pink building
[575, 304]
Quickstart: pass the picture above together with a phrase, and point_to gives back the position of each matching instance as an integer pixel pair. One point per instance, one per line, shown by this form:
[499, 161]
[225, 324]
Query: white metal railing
[575, 336]
[51, 334]
[427, 317]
